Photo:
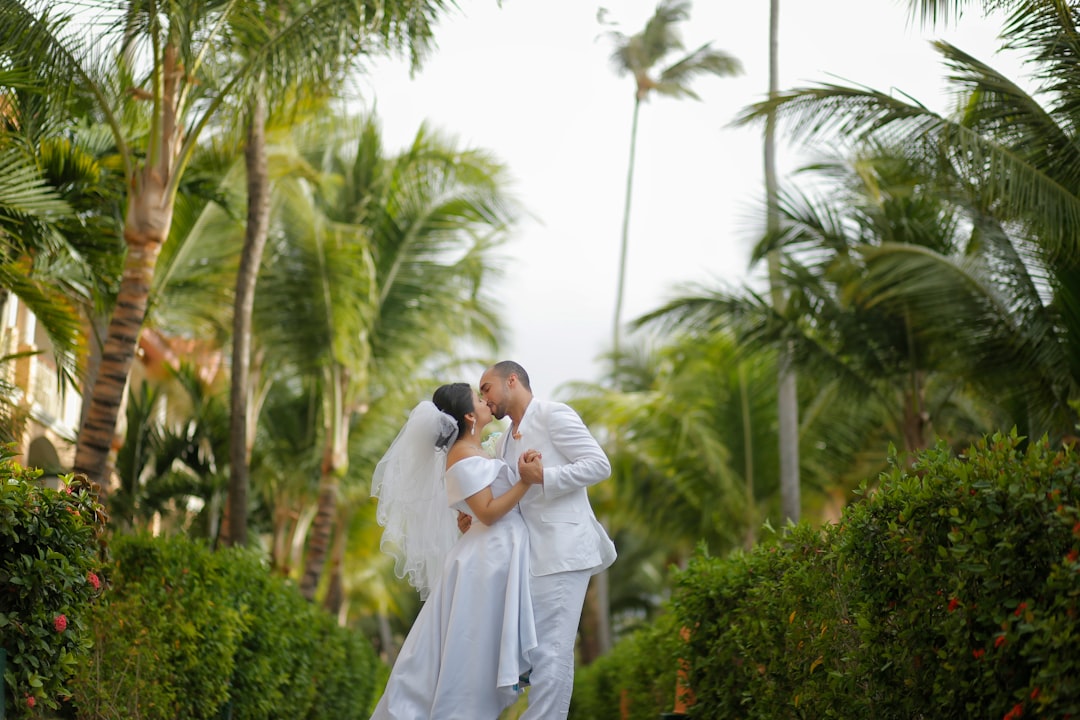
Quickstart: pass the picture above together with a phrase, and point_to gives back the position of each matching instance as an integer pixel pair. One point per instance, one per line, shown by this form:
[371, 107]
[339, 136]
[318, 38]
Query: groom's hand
[531, 468]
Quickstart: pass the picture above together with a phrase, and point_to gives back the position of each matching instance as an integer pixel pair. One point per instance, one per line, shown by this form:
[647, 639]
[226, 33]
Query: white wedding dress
[471, 640]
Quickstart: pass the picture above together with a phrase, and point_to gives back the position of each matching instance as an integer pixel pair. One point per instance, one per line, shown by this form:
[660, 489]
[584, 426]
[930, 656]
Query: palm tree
[878, 365]
[30, 211]
[640, 55]
[787, 397]
[379, 267]
[416, 34]
[58, 237]
[1009, 158]
[157, 76]
[174, 451]
[692, 463]
[55, 238]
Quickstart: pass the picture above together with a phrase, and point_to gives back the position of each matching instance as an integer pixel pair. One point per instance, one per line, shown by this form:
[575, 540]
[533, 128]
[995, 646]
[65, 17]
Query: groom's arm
[586, 464]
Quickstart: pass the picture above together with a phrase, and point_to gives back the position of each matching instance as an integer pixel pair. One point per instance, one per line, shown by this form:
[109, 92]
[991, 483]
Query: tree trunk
[322, 530]
[386, 638]
[787, 395]
[334, 465]
[595, 620]
[97, 325]
[258, 221]
[916, 419]
[620, 291]
[335, 591]
[146, 227]
[748, 458]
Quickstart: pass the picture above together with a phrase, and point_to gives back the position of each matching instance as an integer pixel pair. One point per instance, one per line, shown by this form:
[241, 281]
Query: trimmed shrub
[951, 590]
[191, 633]
[635, 681]
[967, 583]
[274, 659]
[166, 639]
[343, 673]
[770, 636]
[49, 578]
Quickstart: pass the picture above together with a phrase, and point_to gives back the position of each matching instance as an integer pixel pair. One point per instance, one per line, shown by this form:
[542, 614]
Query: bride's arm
[489, 508]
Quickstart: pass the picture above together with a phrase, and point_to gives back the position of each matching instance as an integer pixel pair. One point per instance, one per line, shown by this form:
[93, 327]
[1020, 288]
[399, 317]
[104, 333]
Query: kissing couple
[500, 548]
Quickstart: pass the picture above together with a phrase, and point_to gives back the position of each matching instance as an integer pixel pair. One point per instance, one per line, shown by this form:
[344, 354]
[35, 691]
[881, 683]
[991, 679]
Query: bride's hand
[464, 521]
[531, 467]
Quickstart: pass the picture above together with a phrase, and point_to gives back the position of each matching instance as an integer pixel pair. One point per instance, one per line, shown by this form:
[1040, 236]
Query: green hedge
[190, 633]
[951, 590]
[628, 682]
[770, 636]
[49, 577]
[966, 583]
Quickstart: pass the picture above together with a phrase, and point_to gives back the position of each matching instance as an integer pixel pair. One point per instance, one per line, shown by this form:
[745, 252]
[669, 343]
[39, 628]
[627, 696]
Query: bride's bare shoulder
[456, 456]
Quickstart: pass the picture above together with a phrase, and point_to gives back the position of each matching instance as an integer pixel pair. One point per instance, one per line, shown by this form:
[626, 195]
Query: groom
[568, 544]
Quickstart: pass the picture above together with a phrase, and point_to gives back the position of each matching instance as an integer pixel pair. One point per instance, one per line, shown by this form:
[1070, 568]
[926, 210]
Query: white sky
[532, 82]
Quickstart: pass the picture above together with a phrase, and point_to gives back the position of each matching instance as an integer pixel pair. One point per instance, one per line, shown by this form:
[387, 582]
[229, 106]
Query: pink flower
[60, 623]
[30, 701]
[94, 580]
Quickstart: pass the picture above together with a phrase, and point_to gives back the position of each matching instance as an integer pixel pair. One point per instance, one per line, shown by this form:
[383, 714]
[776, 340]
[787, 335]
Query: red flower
[977, 653]
[999, 641]
[1076, 529]
[60, 623]
[1034, 693]
[30, 701]
[1073, 555]
[1019, 609]
[94, 580]
[1017, 711]
[953, 604]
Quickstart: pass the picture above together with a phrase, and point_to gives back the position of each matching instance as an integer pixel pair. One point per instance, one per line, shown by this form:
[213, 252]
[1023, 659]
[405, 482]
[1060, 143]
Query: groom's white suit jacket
[564, 533]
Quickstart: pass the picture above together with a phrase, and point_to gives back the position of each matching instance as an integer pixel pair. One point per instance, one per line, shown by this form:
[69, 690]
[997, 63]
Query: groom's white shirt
[564, 533]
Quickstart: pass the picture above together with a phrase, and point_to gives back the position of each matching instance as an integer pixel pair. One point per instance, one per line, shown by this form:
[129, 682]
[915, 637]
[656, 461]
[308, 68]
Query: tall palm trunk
[597, 615]
[748, 456]
[334, 466]
[258, 221]
[787, 398]
[335, 598]
[620, 289]
[146, 227]
[322, 530]
[916, 421]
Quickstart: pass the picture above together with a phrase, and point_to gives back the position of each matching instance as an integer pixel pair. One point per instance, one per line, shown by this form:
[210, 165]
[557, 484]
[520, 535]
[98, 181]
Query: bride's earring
[473, 431]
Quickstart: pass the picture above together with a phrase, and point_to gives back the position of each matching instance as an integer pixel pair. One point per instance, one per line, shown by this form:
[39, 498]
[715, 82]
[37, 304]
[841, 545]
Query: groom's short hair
[506, 368]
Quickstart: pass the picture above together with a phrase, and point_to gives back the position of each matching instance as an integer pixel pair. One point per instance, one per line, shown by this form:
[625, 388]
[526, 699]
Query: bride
[470, 643]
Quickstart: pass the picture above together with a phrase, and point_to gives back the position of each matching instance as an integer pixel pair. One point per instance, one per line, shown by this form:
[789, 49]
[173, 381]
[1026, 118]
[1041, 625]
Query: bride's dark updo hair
[456, 400]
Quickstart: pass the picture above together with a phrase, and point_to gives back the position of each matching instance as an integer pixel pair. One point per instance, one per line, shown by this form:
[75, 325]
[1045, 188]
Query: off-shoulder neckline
[471, 457]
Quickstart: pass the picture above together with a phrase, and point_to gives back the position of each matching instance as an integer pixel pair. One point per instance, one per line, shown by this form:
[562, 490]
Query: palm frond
[24, 194]
[675, 79]
[1000, 341]
[997, 107]
[54, 311]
